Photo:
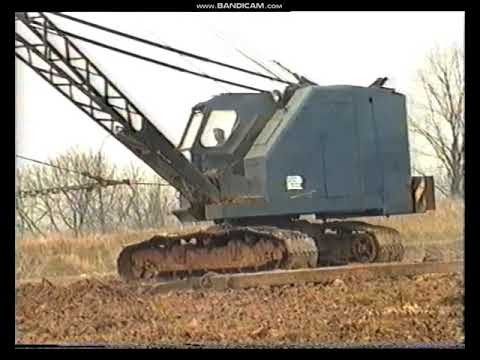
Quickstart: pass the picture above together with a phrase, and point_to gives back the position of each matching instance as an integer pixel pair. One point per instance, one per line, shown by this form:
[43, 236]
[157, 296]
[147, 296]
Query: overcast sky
[329, 48]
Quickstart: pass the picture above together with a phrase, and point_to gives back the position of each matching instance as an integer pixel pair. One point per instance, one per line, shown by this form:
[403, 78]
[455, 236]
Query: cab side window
[219, 127]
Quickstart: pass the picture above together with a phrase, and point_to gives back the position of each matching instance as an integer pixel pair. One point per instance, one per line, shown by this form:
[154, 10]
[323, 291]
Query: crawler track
[231, 249]
[219, 249]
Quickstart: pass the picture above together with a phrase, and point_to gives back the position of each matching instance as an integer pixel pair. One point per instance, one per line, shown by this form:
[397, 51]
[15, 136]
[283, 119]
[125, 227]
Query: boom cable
[169, 48]
[250, 58]
[60, 32]
[197, 67]
[83, 173]
[100, 181]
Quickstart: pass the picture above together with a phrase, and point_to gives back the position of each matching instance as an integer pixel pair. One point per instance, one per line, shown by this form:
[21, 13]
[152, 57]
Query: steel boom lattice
[74, 75]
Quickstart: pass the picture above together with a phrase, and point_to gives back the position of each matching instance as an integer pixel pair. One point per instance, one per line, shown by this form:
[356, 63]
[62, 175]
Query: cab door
[340, 147]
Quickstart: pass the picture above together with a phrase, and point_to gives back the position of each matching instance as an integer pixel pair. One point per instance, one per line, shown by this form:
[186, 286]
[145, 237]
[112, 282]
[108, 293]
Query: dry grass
[63, 255]
[60, 255]
[444, 224]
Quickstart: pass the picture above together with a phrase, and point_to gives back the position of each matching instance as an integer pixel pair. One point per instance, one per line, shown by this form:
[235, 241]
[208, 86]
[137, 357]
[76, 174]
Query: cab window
[192, 130]
[219, 127]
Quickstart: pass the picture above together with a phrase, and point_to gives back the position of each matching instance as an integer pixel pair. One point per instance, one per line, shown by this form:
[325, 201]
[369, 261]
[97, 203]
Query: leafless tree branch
[439, 114]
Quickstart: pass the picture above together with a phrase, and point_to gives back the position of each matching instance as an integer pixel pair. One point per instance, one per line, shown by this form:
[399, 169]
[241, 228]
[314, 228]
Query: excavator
[281, 175]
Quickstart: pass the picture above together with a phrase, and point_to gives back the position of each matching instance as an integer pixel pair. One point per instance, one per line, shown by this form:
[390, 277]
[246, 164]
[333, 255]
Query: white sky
[329, 48]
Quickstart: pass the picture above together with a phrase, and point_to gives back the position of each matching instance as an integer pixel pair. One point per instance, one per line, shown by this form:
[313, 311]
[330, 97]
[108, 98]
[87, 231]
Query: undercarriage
[228, 248]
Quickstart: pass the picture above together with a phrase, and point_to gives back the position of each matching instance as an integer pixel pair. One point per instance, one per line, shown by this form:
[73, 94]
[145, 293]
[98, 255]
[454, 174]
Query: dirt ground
[92, 308]
[426, 309]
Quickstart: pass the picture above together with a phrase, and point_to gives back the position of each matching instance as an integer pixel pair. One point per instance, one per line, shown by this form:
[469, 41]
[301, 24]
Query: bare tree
[146, 204]
[438, 118]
